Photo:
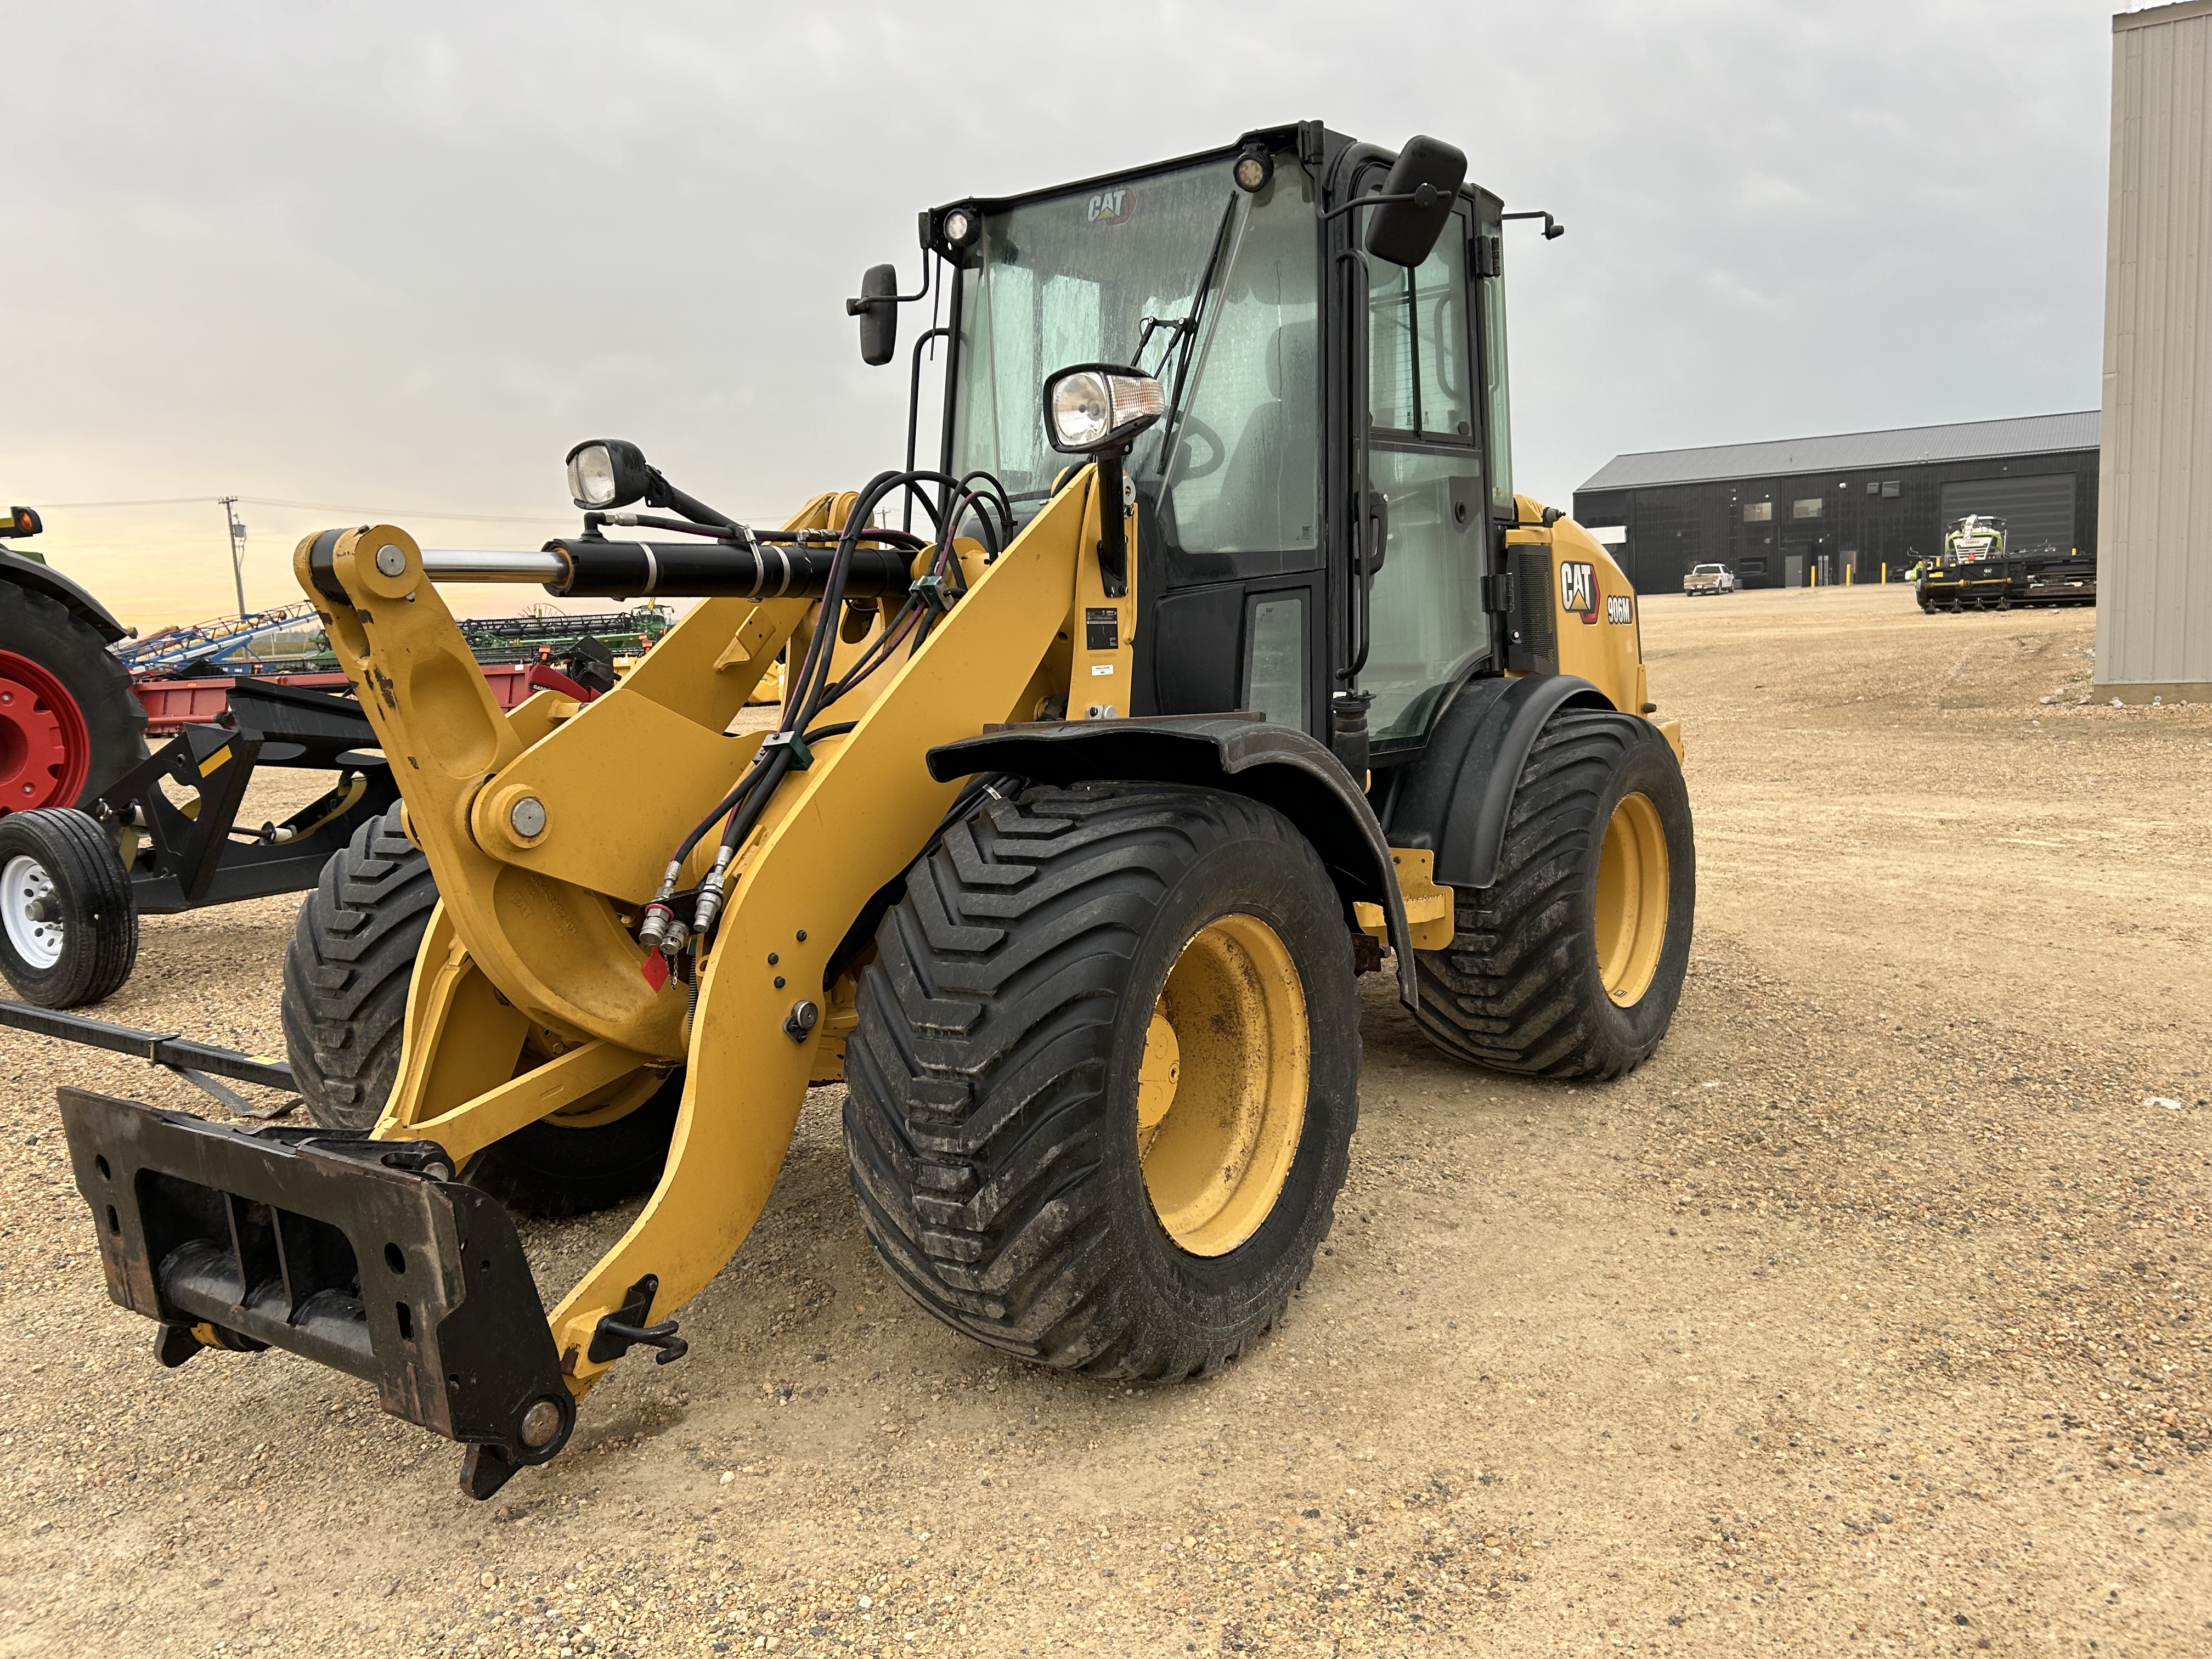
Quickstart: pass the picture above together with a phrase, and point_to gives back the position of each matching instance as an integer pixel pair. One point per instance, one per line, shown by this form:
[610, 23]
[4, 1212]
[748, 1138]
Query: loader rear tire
[345, 1007]
[1571, 962]
[1101, 1096]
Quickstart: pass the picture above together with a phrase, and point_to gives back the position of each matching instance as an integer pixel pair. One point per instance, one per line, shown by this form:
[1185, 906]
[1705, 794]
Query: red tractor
[69, 723]
[70, 727]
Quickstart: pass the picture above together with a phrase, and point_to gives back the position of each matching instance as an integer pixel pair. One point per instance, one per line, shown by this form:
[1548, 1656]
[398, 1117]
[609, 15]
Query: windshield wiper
[1186, 331]
[1146, 326]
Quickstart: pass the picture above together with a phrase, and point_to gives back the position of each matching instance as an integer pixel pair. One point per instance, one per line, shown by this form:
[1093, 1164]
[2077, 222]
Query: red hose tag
[655, 969]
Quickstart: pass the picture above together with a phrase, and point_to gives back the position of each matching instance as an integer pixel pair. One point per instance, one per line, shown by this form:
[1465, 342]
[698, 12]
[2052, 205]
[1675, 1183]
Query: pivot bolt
[803, 1017]
[527, 815]
[540, 1423]
[391, 560]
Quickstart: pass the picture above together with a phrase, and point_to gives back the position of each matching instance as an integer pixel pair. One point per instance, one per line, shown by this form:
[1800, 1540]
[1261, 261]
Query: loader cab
[1325, 406]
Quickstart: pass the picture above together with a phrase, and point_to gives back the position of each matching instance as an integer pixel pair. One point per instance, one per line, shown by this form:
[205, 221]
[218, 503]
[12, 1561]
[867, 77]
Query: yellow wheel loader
[1214, 659]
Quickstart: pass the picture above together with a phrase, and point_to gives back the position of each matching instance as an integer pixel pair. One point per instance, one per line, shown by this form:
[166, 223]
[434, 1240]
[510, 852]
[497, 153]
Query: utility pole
[237, 551]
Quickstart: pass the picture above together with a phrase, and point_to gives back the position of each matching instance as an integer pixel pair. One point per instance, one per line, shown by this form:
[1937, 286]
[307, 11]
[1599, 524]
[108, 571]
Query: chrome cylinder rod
[448, 564]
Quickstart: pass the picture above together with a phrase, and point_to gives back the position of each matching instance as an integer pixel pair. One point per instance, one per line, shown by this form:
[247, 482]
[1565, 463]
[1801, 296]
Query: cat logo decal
[1579, 589]
[1111, 207]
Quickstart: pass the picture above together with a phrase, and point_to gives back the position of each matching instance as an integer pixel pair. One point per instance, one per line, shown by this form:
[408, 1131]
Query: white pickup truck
[1708, 578]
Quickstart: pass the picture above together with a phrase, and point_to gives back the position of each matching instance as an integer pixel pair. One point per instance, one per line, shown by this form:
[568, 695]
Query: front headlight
[605, 472]
[591, 477]
[1094, 406]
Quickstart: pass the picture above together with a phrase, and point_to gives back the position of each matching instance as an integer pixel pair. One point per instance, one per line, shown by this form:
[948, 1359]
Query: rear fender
[46, 579]
[1238, 754]
[1460, 794]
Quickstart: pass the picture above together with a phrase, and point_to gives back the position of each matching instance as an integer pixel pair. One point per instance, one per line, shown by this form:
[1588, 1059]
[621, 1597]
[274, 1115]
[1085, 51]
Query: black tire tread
[1511, 992]
[984, 1039]
[82, 862]
[347, 971]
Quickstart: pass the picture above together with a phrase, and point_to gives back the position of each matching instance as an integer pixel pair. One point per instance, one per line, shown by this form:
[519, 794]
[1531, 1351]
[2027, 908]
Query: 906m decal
[1619, 608]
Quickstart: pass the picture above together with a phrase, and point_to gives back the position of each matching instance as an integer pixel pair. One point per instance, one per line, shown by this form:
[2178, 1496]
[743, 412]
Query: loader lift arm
[532, 927]
[531, 952]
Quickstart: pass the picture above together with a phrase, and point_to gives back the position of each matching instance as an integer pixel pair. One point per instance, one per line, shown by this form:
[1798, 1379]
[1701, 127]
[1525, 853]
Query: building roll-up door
[2038, 511]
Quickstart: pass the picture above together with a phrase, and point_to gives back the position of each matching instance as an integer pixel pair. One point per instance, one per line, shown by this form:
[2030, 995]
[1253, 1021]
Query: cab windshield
[1182, 275]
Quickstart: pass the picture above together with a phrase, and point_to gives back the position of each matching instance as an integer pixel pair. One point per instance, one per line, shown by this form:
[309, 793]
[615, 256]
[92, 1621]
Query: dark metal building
[1796, 510]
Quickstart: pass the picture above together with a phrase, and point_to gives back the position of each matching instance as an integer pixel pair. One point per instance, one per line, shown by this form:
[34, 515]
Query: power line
[311, 507]
[171, 500]
[405, 512]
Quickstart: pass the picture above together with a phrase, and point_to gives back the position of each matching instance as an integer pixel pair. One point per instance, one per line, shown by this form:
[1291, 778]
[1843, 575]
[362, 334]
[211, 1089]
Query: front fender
[1460, 793]
[1238, 754]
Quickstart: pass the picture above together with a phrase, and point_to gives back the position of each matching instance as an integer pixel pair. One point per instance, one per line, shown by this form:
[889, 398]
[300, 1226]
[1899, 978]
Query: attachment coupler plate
[361, 1255]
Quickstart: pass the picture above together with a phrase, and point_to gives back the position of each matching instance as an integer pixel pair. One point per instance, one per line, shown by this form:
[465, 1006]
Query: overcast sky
[397, 258]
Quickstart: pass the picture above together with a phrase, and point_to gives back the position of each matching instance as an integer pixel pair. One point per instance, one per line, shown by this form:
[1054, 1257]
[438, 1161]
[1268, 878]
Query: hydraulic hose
[810, 687]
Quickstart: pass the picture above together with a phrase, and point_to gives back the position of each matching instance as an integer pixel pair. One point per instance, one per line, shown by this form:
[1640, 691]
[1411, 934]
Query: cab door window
[1426, 623]
[1418, 377]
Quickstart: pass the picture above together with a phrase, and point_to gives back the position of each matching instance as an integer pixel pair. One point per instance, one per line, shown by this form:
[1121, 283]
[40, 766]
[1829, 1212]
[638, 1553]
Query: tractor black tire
[346, 975]
[991, 1113]
[70, 933]
[43, 632]
[1521, 989]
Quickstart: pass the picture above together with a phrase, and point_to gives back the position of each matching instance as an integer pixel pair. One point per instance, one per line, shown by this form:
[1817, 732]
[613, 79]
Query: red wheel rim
[46, 753]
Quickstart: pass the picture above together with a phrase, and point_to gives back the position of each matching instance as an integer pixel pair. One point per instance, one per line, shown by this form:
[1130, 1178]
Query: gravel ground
[1864, 1319]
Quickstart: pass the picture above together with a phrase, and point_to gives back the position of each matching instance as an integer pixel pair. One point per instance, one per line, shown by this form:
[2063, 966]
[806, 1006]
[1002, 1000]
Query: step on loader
[1214, 659]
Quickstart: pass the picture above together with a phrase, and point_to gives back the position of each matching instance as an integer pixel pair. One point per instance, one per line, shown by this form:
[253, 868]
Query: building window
[1889, 489]
[1757, 512]
[1873, 489]
[1752, 567]
[1807, 508]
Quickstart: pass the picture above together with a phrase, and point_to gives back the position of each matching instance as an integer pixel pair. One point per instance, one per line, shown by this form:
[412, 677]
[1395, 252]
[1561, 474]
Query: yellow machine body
[1597, 618]
[528, 1000]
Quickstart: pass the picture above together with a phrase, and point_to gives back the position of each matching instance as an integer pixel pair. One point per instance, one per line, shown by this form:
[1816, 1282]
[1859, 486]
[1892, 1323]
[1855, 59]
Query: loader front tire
[346, 972]
[1570, 963]
[345, 1009]
[1100, 1097]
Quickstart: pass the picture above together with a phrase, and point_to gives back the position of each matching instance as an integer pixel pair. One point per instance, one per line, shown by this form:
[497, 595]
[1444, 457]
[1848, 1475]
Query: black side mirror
[1427, 174]
[878, 310]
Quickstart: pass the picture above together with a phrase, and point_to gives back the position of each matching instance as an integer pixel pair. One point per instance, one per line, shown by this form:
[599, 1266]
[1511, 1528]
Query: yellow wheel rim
[1631, 899]
[1221, 1091]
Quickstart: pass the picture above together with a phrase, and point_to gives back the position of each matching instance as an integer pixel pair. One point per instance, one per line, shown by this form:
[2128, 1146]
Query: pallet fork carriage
[1087, 801]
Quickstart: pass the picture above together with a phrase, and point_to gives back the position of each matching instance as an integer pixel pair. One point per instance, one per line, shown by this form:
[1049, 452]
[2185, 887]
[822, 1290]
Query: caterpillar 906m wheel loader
[1222, 657]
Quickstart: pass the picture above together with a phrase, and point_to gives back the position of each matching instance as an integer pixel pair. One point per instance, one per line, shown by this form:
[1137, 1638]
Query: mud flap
[361, 1255]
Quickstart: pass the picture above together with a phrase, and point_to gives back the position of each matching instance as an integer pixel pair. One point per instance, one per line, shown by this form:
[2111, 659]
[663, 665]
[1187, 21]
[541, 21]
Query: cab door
[1428, 506]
